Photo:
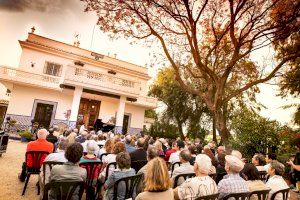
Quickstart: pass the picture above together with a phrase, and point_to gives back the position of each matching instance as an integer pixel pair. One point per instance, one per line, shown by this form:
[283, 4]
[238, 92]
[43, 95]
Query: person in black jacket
[51, 138]
[139, 154]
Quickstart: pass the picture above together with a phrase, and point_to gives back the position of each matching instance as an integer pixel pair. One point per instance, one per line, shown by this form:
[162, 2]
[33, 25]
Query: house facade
[61, 84]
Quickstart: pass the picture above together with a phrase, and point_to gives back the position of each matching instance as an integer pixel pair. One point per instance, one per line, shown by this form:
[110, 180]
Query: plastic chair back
[64, 190]
[238, 196]
[261, 194]
[209, 197]
[182, 176]
[137, 165]
[285, 194]
[128, 185]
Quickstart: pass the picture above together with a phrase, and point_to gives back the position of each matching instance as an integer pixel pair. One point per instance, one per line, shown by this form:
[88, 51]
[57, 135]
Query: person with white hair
[237, 154]
[92, 150]
[276, 181]
[232, 183]
[41, 144]
[201, 185]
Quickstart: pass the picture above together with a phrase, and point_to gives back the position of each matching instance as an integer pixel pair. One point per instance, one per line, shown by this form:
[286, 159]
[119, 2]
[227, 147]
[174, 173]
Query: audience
[220, 169]
[276, 181]
[110, 158]
[157, 182]
[129, 147]
[232, 183]
[171, 150]
[124, 170]
[51, 138]
[158, 145]
[193, 150]
[152, 152]
[258, 160]
[92, 149]
[270, 157]
[174, 157]
[185, 167]
[127, 151]
[251, 175]
[139, 153]
[198, 186]
[41, 144]
[70, 171]
[58, 156]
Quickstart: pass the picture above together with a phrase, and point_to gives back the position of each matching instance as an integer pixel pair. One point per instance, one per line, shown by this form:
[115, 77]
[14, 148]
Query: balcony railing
[102, 80]
[147, 101]
[17, 75]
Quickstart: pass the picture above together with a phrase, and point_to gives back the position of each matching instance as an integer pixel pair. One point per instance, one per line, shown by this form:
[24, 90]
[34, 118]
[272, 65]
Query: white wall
[22, 99]
[137, 115]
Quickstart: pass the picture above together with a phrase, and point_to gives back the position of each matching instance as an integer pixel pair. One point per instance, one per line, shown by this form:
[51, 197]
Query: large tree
[207, 42]
[182, 108]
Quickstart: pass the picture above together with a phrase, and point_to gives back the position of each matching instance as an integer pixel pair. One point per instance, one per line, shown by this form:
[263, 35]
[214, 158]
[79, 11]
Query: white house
[54, 78]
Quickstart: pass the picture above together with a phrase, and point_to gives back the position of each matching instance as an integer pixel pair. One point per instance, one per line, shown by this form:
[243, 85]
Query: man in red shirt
[41, 144]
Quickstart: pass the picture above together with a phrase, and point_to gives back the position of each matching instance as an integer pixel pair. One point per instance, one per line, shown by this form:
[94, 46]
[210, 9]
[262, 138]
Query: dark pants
[23, 173]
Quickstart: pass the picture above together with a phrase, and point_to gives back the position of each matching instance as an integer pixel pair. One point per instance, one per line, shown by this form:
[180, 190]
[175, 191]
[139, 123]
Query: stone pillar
[75, 106]
[120, 114]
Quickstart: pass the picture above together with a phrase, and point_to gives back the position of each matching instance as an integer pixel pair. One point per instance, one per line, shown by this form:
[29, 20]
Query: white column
[120, 112]
[75, 103]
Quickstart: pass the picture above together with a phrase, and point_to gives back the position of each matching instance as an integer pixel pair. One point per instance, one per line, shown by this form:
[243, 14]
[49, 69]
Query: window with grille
[53, 69]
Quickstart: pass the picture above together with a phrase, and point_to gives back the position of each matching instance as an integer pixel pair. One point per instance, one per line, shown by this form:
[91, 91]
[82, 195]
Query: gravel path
[10, 165]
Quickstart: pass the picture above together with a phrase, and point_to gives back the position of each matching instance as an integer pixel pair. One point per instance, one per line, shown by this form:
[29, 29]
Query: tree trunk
[180, 132]
[214, 130]
[221, 123]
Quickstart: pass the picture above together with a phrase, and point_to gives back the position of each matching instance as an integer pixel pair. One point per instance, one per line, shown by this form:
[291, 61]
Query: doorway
[43, 114]
[125, 124]
[88, 112]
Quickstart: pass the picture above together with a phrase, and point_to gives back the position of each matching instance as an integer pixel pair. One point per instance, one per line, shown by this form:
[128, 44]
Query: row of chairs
[261, 195]
[65, 190]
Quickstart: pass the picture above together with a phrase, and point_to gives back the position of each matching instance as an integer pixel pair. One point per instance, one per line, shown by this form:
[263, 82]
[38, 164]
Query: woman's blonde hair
[157, 176]
[158, 145]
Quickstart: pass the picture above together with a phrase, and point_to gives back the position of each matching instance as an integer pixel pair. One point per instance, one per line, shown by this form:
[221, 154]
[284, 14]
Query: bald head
[42, 133]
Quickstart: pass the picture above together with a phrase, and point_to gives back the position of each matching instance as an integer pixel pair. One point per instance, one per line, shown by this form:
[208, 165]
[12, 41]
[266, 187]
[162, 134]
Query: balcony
[19, 76]
[149, 102]
[103, 81]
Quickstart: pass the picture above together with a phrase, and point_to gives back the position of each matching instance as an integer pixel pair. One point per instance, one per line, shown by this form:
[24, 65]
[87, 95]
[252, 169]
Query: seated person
[70, 171]
[59, 156]
[110, 158]
[174, 157]
[152, 152]
[185, 166]
[251, 175]
[201, 185]
[91, 148]
[232, 183]
[41, 144]
[124, 170]
[276, 182]
[51, 138]
[220, 170]
[157, 182]
[259, 161]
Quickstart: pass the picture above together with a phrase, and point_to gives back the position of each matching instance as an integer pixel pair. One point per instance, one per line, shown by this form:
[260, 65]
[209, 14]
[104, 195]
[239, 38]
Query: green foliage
[183, 109]
[163, 129]
[254, 133]
[150, 114]
[26, 134]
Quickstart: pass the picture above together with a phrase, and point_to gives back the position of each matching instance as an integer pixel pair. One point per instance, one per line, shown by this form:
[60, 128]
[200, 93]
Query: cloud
[34, 5]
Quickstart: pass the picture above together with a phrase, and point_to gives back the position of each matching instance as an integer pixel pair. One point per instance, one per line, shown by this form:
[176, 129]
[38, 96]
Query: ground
[10, 165]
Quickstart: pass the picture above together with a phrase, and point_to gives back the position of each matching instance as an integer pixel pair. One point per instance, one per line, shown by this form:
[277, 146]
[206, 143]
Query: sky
[62, 19]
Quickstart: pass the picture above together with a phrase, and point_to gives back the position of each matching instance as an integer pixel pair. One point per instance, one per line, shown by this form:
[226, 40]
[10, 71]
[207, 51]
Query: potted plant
[25, 135]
